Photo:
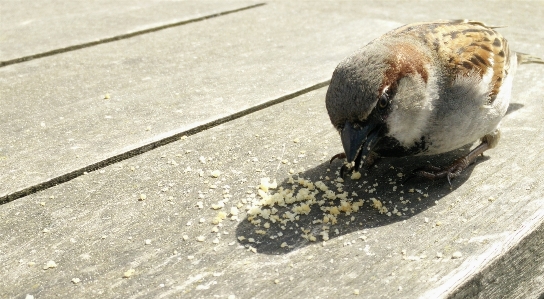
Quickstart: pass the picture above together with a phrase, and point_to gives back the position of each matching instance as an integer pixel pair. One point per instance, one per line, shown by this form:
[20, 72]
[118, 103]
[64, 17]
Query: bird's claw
[345, 167]
[337, 156]
[432, 172]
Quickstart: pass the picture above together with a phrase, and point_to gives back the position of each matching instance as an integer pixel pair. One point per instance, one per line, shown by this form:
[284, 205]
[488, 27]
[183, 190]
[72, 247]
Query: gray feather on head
[353, 90]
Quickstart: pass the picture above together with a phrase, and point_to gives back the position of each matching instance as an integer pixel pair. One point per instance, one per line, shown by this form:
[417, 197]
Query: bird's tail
[526, 58]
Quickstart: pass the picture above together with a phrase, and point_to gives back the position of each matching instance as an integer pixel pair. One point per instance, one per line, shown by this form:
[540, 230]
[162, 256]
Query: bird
[423, 89]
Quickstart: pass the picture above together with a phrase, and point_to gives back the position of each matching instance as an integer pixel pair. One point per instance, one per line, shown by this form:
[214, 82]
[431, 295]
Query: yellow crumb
[356, 175]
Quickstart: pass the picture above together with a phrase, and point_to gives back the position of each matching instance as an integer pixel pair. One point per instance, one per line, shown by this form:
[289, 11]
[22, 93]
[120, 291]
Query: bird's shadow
[513, 107]
[409, 197]
[383, 182]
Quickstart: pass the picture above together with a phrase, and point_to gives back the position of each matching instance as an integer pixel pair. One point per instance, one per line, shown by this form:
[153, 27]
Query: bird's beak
[358, 141]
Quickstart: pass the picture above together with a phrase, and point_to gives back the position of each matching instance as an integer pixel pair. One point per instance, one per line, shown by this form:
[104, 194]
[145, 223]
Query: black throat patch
[390, 147]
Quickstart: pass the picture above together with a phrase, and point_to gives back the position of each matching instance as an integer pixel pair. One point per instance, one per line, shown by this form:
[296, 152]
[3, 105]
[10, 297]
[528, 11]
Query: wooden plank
[57, 120]
[31, 28]
[517, 273]
[95, 227]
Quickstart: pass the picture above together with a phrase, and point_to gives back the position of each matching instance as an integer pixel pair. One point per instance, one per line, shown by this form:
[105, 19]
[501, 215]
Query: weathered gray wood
[489, 209]
[517, 274]
[95, 227]
[32, 27]
[57, 121]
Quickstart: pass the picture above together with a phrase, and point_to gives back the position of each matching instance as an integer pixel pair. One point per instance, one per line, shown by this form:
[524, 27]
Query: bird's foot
[345, 167]
[454, 170]
[337, 156]
[432, 172]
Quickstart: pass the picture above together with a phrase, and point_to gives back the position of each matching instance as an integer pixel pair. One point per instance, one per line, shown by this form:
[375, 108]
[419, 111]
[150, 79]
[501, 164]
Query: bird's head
[369, 90]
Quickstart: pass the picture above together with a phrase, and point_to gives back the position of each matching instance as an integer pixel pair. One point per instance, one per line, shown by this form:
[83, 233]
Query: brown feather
[464, 47]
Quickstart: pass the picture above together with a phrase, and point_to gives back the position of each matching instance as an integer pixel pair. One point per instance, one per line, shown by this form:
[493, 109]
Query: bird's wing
[465, 47]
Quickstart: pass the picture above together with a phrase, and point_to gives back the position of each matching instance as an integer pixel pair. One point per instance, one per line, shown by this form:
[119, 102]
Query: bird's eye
[384, 100]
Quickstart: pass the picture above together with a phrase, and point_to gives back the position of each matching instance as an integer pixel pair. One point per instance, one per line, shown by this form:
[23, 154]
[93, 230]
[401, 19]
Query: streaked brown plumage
[424, 88]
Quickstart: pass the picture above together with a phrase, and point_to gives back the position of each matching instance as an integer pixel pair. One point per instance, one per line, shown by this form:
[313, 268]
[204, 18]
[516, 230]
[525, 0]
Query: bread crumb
[200, 238]
[379, 206]
[50, 265]
[356, 292]
[356, 175]
[129, 273]
[456, 255]
[216, 173]
[147, 242]
[265, 184]
[219, 217]
[218, 205]
[143, 197]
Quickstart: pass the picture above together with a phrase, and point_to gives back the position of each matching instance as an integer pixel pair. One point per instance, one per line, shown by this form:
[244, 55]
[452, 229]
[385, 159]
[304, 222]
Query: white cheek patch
[412, 108]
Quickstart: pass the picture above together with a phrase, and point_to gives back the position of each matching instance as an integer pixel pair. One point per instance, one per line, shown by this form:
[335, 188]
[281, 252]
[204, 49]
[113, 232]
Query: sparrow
[423, 89]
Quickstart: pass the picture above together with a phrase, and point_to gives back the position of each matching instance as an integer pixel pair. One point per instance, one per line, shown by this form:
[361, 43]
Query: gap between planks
[63, 178]
[123, 36]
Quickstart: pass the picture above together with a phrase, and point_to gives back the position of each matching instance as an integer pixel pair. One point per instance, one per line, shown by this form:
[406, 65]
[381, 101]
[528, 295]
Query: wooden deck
[135, 136]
